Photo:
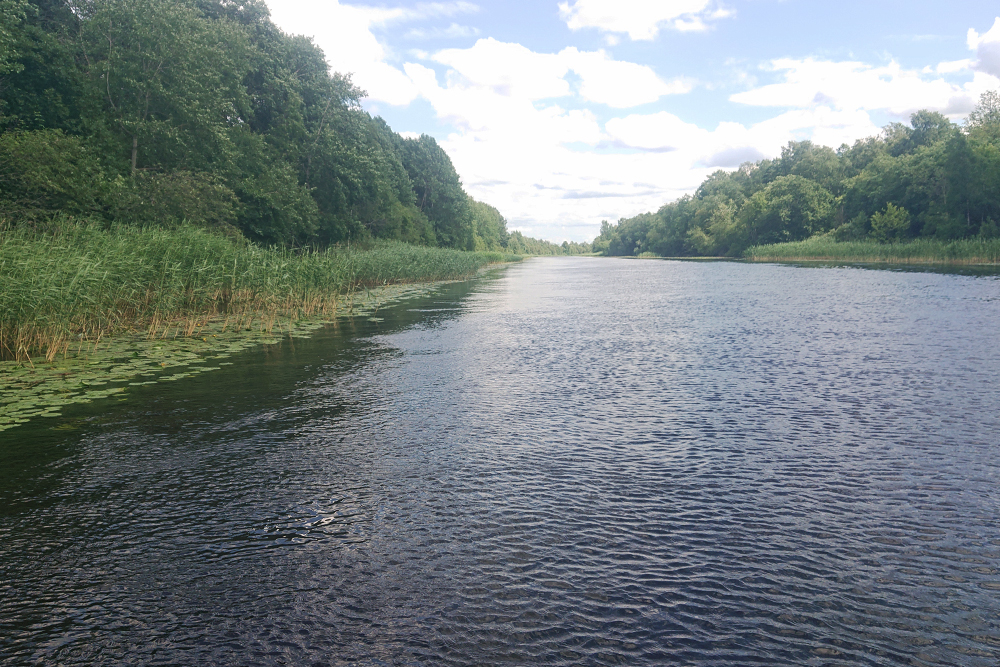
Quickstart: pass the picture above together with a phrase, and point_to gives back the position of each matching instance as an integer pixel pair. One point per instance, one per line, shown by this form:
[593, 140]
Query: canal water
[566, 462]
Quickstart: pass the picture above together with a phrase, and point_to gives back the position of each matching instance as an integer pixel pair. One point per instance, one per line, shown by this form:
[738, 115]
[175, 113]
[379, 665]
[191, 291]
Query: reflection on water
[574, 461]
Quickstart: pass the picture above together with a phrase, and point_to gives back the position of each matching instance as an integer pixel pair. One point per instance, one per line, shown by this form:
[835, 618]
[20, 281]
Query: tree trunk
[135, 151]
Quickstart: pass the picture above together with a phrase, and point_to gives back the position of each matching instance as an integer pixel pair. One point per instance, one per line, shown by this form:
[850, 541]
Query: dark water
[573, 462]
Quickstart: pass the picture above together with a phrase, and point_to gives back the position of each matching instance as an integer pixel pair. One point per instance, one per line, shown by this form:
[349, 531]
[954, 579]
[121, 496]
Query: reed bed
[918, 251]
[69, 286]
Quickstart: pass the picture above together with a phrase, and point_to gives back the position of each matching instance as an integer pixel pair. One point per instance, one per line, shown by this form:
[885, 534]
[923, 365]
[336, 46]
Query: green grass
[918, 251]
[81, 282]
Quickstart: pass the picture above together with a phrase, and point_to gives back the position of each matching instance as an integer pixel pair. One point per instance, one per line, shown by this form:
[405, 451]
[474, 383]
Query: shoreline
[107, 367]
[923, 261]
[960, 252]
[81, 282]
[920, 261]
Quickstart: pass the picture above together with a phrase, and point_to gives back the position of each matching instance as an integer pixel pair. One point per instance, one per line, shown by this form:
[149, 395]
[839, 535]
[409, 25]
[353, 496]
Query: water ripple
[575, 462]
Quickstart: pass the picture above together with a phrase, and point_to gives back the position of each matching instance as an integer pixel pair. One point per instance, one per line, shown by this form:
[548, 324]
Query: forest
[931, 180]
[157, 112]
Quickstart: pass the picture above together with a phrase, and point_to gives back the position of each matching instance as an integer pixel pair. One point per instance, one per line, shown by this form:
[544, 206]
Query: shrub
[46, 171]
[169, 199]
[891, 224]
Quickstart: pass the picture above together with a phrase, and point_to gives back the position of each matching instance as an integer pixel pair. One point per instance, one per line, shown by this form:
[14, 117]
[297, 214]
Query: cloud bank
[559, 140]
[640, 19]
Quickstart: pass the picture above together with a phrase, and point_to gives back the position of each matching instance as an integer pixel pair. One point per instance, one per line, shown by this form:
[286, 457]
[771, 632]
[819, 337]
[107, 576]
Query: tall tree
[984, 121]
[439, 193]
[11, 17]
[168, 77]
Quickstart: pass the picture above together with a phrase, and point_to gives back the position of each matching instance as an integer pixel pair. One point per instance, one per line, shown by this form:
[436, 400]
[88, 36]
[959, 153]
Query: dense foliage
[154, 112]
[931, 179]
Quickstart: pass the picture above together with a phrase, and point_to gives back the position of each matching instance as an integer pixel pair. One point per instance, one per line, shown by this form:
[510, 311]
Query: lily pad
[90, 372]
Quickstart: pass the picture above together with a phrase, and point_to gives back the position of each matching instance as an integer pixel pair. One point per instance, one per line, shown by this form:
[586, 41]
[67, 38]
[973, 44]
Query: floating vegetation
[39, 388]
[87, 311]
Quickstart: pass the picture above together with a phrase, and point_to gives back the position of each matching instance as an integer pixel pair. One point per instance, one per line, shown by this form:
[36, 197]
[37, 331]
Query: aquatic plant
[109, 368]
[962, 251]
[77, 282]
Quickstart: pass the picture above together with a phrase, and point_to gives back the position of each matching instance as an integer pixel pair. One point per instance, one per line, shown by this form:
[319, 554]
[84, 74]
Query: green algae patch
[94, 370]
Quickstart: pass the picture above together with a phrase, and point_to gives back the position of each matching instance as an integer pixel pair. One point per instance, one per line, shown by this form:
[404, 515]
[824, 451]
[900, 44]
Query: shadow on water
[138, 521]
[261, 381]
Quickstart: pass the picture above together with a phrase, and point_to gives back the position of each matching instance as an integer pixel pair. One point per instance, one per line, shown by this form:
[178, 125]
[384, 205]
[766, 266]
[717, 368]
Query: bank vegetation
[78, 281]
[924, 191]
[168, 160]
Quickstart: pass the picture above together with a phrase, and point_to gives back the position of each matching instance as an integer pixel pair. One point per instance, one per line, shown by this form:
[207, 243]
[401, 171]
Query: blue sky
[563, 113]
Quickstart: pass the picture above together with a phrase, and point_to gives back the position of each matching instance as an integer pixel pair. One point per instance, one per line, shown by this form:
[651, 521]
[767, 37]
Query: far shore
[930, 252]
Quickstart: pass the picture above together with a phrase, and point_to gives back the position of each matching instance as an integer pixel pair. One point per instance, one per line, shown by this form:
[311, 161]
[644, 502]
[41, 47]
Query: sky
[564, 113]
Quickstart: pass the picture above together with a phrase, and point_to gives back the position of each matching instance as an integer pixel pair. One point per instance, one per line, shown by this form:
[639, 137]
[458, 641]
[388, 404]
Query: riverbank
[918, 251]
[79, 283]
[86, 312]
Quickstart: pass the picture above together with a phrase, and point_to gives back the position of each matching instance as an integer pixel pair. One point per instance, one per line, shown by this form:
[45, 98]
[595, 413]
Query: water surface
[570, 462]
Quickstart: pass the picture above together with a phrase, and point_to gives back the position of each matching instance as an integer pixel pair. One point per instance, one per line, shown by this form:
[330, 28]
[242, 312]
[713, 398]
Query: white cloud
[640, 19]
[732, 143]
[617, 83]
[509, 69]
[987, 48]
[452, 31]
[950, 67]
[344, 33]
[493, 113]
[661, 131]
[430, 9]
[535, 160]
[514, 70]
[852, 86]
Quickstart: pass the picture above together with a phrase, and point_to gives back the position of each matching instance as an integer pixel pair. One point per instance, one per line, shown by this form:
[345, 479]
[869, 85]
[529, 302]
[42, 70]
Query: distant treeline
[931, 179]
[153, 112]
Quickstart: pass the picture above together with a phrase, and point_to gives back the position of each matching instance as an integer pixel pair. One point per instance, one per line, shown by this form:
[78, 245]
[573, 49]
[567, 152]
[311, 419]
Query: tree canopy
[161, 111]
[930, 178]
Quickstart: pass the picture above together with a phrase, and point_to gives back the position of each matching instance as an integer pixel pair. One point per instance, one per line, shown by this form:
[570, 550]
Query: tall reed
[78, 282]
[964, 251]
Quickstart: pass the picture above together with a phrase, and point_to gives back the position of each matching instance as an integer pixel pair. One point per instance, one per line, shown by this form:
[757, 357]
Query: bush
[169, 199]
[46, 171]
[855, 230]
[891, 224]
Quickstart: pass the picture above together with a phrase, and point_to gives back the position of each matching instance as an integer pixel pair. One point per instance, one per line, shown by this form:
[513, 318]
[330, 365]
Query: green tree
[438, 190]
[152, 111]
[816, 163]
[169, 199]
[489, 226]
[47, 89]
[46, 171]
[930, 127]
[983, 122]
[892, 224]
[792, 208]
[11, 17]
[274, 207]
[168, 77]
